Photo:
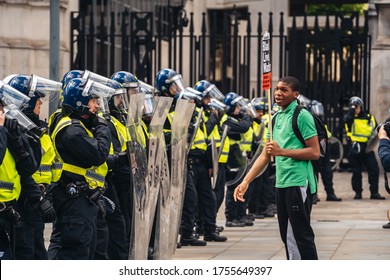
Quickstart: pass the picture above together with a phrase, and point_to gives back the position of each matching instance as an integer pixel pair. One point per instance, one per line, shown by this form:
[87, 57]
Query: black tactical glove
[121, 159]
[106, 206]
[11, 125]
[96, 121]
[48, 213]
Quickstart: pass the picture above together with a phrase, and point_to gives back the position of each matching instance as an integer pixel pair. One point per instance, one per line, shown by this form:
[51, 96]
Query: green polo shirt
[291, 172]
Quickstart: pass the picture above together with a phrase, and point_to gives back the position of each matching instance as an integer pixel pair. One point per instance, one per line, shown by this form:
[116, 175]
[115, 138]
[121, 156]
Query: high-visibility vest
[246, 140]
[94, 175]
[361, 129]
[122, 133]
[218, 137]
[43, 175]
[201, 136]
[9, 179]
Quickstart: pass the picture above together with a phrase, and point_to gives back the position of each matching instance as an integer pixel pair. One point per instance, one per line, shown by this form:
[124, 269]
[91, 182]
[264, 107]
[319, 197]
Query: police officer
[359, 126]
[55, 236]
[316, 108]
[119, 176]
[16, 160]
[82, 143]
[215, 108]
[238, 125]
[262, 197]
[33, 204]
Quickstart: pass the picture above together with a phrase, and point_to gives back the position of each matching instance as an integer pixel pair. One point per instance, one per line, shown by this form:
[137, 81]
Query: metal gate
[332, 61]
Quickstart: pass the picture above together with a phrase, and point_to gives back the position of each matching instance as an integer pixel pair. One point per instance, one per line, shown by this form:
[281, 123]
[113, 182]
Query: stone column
[379, 29]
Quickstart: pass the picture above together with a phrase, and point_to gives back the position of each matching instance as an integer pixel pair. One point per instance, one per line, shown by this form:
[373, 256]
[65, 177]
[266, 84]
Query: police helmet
[316, 108]
[126, 79]
[209, 89]
[164, 80]
[34, 87]
[71, 75]
[260, 103]
[120, 100]
[355, 101]
[231, 101]
[22, 83]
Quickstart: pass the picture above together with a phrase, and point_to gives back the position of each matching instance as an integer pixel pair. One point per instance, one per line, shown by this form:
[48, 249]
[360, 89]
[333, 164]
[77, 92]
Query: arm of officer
[259, 165]
[3, 143]
[87, 150]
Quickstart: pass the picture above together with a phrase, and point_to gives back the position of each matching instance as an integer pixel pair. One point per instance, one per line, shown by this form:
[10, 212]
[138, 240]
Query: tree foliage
[323, 9]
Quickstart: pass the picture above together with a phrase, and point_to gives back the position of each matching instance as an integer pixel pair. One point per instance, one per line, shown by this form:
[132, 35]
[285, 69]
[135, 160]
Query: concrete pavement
[346, 230]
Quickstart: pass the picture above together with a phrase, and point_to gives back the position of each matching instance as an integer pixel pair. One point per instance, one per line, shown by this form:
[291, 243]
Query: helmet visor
[304, 101]
[120, 100]
[144, 87]
[148, 105]
[10, 95]
[317, 109]
[95, 77]
[218, 105]
[100, 92]
[177, 84]
[47, 89]
[190, 94]
[13, 112]
[214, 92]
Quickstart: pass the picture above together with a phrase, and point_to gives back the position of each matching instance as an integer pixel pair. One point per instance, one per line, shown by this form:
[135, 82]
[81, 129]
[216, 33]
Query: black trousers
[7, 238]
[118, 241]
[294, 207]
[29, 231]
[262, 193]
[198, 196]
[327, 178]
[77, 218]
[357, 162]
[219, 190]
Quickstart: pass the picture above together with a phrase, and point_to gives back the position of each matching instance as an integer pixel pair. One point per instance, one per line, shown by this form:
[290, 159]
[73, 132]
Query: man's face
[37, 109]
[284, 95]
[174, 89]
[259, 114]
[93, 105]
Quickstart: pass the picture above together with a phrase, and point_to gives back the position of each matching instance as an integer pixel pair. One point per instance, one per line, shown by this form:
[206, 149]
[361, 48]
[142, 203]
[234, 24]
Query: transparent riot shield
[180, 123]
[236, 167]
[139, 240]
[258, 151]
[215, 158]
[158, 178]
[336, 152]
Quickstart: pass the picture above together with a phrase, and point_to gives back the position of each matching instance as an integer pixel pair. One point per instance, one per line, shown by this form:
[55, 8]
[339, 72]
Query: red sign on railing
[267, 73]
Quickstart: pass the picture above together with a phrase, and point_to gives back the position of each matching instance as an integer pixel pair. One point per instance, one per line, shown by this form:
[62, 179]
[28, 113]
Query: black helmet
[356, 101]
[260, 103]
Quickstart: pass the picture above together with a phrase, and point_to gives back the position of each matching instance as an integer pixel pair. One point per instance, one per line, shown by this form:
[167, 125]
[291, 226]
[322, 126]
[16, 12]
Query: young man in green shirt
[295, 179]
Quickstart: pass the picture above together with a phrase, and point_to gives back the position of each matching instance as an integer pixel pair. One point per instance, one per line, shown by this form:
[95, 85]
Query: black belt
[5, 205]
[192, 161]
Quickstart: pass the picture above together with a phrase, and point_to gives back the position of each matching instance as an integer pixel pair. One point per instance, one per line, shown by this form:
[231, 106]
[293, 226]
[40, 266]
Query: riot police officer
[316, 108]
[16, 160]
[33, 204]
[214, 108]
[238, 125]
[359, 126]
[262, 195]
[82, 143]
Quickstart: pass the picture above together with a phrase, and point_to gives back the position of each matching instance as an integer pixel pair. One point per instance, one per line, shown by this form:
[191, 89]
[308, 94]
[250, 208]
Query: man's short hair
[291, 81]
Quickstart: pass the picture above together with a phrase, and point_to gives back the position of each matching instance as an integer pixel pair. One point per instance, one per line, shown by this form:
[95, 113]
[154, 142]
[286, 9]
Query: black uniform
[238, 125]
[78, 215]
[25, 163]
